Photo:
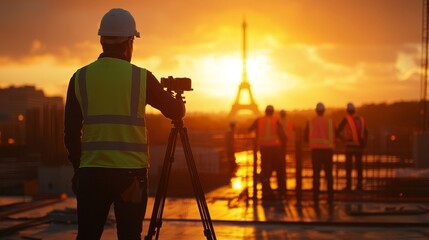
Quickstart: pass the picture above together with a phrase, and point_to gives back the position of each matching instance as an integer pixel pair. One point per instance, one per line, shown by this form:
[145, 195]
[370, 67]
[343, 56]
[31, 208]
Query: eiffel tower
[244, 85]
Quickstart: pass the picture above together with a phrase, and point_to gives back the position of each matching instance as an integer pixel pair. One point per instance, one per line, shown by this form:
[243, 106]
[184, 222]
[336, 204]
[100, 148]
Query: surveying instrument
[178, 85]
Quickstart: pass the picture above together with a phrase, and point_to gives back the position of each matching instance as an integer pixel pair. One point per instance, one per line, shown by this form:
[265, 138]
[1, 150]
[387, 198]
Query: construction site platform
[234, 217]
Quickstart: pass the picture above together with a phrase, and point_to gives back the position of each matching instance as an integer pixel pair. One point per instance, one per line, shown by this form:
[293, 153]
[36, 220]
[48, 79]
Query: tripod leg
[158, 208]
[196, 184]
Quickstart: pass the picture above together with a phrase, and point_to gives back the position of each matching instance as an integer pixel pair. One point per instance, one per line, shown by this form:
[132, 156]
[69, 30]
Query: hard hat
[320, 107]
[269, 110]
[350, 107]
[118, 23]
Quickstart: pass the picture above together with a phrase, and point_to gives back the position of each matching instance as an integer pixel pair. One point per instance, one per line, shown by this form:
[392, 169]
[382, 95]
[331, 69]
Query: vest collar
[113, 54]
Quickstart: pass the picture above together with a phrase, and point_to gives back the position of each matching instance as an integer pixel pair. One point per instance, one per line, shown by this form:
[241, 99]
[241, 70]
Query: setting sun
[265, 119]
[227, 73]
[298, 53]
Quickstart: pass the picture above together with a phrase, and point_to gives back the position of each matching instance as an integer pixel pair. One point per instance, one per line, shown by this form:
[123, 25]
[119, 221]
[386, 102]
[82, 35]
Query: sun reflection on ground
[237, 184]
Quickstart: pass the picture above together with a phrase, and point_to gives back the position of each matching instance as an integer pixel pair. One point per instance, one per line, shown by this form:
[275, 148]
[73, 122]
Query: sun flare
[222, 75]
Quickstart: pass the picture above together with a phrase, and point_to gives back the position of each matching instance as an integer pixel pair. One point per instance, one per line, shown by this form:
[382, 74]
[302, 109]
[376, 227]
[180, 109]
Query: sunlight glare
[236, 183]
[222, 75]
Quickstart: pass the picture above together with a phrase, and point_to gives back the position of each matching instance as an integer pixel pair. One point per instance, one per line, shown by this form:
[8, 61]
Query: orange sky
[299, 52]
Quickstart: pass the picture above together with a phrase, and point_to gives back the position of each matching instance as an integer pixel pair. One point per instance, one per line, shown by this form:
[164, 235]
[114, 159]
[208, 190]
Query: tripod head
[178, 95]
[177, 86]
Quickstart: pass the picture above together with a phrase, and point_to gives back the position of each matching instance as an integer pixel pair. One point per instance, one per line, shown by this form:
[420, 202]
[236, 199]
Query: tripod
[158, 208]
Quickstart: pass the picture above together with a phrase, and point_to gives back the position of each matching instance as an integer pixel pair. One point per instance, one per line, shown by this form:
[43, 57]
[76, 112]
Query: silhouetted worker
[105, 132]
[230, 145]
[288, 128]
[352, 130]
[320, 134]
[270, 137]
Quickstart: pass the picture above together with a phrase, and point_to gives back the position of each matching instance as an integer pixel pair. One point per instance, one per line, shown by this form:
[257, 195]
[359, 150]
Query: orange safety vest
[322, 133]
[267, 131]
[351, 131]
[290, 132]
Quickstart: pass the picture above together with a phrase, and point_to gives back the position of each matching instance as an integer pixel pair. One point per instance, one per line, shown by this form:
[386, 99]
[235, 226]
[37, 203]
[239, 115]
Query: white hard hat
[118, 23]
[269, 110]
[350, 107]
[320, 107]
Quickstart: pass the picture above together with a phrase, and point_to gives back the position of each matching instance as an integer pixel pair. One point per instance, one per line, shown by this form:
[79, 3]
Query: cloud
[315, 50]
[406, 65]
[60, 24]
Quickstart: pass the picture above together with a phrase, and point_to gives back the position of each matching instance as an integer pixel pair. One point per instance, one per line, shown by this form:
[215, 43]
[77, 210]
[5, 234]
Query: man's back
[321, 133]
[105, 133]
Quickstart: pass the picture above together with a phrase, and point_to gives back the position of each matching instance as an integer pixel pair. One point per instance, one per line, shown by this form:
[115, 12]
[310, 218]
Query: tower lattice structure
[244, 85]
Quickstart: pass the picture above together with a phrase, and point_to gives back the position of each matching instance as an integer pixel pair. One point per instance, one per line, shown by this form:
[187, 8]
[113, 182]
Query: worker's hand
[75, 182]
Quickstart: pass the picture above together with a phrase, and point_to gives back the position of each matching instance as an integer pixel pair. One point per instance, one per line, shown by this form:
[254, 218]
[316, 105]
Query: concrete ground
[235, 215]
[241, 219]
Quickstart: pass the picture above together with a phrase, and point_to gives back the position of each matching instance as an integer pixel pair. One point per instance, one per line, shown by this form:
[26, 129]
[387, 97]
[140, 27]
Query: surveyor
[105, 131]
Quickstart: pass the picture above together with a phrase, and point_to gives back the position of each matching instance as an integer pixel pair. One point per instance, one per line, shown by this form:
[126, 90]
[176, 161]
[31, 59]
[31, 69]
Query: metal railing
[381, 181]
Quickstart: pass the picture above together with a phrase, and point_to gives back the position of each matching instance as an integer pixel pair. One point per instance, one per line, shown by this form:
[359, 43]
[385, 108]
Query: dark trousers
[272, 160]
[322, 158]
[357, 153]
[99, 188]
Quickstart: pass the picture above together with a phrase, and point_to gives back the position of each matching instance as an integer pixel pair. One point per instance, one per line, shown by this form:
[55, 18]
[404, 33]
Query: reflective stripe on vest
[115, 119]
[321, 133]
[352, 132]
[267, 131]
[114, 134]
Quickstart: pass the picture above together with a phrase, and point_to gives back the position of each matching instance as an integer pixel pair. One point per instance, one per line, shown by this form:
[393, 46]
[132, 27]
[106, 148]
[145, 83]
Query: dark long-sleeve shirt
[362, 139]
[156, 96]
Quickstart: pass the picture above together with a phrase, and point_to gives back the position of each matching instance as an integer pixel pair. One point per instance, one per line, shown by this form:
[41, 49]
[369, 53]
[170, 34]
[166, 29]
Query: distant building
[31, 131]
[16, 102]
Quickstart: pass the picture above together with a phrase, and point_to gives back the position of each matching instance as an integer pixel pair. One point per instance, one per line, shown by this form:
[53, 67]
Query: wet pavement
[241, 219]
[236, 215]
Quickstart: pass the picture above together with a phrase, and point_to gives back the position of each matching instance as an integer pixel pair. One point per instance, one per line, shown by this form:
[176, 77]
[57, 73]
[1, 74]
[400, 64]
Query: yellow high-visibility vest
[112, 96]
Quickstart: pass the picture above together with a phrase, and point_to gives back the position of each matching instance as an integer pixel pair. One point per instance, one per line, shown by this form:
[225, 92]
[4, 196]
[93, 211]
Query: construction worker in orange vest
[271, 138]
[352, 130]
[320, 134]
